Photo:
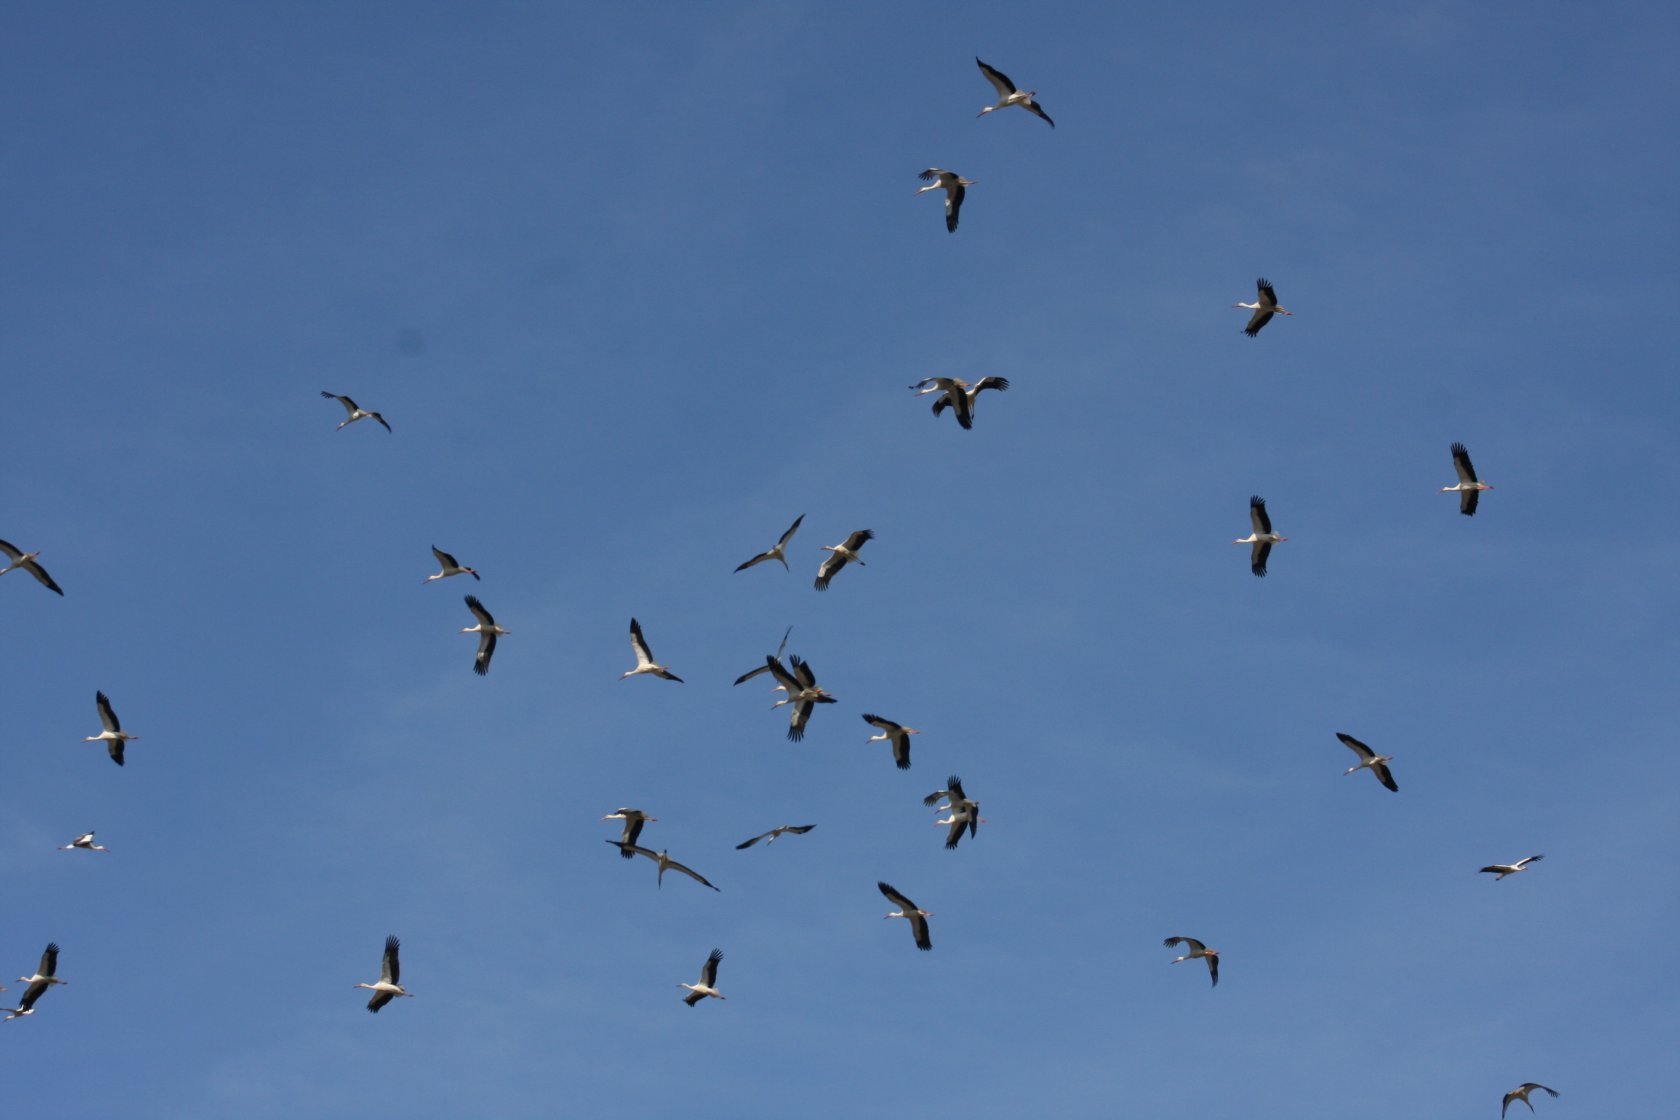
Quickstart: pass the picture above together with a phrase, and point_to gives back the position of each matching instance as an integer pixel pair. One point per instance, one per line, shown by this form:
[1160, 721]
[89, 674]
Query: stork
[953, 185]
[665, 862]
[1197, 950]
[1369, 760]
[1264, 308]
[778, 552]
[1520, 1093]
[708, 981]
[85, 840]
[45, 977]
[633, 820]
[354, 413]
[802, 692]
[955, 393]
[1008, 95]
[1262, 538]
[896, 733]
[450, 567]
[390, 972]
[17, 560]
[907, 909]
[487, 632]
[114, 737]
[844, 552]
[779, 830]
[1469, 487]
[644, 657]
[965, 812]
[1504, 869]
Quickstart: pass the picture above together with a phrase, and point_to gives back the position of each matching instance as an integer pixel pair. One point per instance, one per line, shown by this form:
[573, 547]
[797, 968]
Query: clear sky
[635, 285]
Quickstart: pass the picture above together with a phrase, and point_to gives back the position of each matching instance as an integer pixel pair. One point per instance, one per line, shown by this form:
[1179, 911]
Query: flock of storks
[796, 678]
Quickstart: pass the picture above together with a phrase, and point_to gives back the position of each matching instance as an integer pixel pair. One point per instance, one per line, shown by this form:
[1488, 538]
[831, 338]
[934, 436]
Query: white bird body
[18, 560]
[450, 567]
[1008, 95]
[907, 909]
[353, 413]
[1469, 488]
[1262, 538]
[1504, 869]
[487, 632]
[644, 657]
[114, 737]
[955, 188]
[779, 552]
[708, 981]
[1369, 760]
[1264, 308]
[390, 972]
[85, 840]
[895, 733]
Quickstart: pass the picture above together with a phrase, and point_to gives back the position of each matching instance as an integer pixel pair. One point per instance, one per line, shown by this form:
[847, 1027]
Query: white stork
[487, 632]
[18, 560]
[802, 692]
[1520, 1093]
[85, 841]
[353, 413]
[846, 550]
[1264, 308]
[1369, 760]
[907, 909]
[708, 981]
[779, 830]
[633, 820]
[390, 972]
[1008, 95]
[45, 977]
[896, 733]
[644, 657]
[777, 553]
[965, 812]
[1469, 487]
[953, 185]
[450, 567]
[1262, 538]
[751, 673]
[1197, 950]
[1504, 869]
[665, 862]
[114, 737]
[957, 394]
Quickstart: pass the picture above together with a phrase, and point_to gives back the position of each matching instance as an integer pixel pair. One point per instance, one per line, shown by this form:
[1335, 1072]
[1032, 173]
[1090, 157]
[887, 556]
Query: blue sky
[637, 286]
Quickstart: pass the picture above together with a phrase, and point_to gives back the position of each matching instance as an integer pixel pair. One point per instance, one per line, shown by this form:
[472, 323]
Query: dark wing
[640, 643]
[798, 829]
[632, 833]
[931, 174]
[1213, 969]
[901, 750]
[1355, 745]
[884, 724]
[1035, 110]
[855, 541]
[1001, 83]
[1383, 776]
[783, 677]
[759, 559]
[754, 840]
[486, 650]
[34, 568]
[957, 826]
[381, 420]
[1174, 942]
[14, 553]
[479, 612]
[690, 872]
[115, 748]
[953, 206]
[1257, 557]
[919, 927]
[380, 999]
[349, 405]
[893, 896]
[956, 790]
[390, 968]
[1268, 298]
[801, 716]
[1256, 321]
[633, 850]
[693, 998]
[708, 971]
[965, 409]
[825, 573]
[1258, 516]
[932, 799]
[49, 960]
[792, 529]
[444, 558]
[802, 670]
[751, 673]
[106, 715]
[1468, 500]
[31, 994]
[999, 383]
[1532, 1085]
[1461, 464]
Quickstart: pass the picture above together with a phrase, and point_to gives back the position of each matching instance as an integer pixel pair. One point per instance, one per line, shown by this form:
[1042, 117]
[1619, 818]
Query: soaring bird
[644, 657]
[487, 632]
[897, 734]
[390, 972]
[708, 981]
[802, 692]
[1264, 308]
[353, 413]
[45, 977]
[846, 550]
[450, 566]
[796, 829]
[957, 394]
[907, 909]
[114, 737]
[85, 840]
[1197, 949]
[1469, 487]
[1504, 869]
[777, 553]
[953, 185]
[1008, 95]
[1520, 1093]
[965, 812]
[1369, 760]
[18, 560]
[665, 862]
[1262, 538]
[765, 668]
[633, 820]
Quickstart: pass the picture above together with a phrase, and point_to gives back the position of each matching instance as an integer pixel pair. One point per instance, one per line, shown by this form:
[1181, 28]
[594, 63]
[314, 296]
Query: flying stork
[1369, 760]
[450, 567]
[85, 840]
[953, 185]
[633, 820]
[665, 862]
[907, 909]
[390, 972]
[708, 981]
[896, 733]
[796, 829]
[1520, 1093]
[846, 550]
[1264, 308]
[1262, 538]
[955, 393]
[1008, 95]
[778, 552]
[45, 977]
[1504, 869]
[644, 657]
[1469, 487]
[1197, 949]
[18, 560]
[114, 737]
[353, 413]
[802, 692]
[487, 632]
[965, 812]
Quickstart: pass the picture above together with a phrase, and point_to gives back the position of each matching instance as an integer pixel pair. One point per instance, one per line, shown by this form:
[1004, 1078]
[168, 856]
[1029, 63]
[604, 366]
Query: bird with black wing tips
[955, 188]
[390, 973]
[1197, 951]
